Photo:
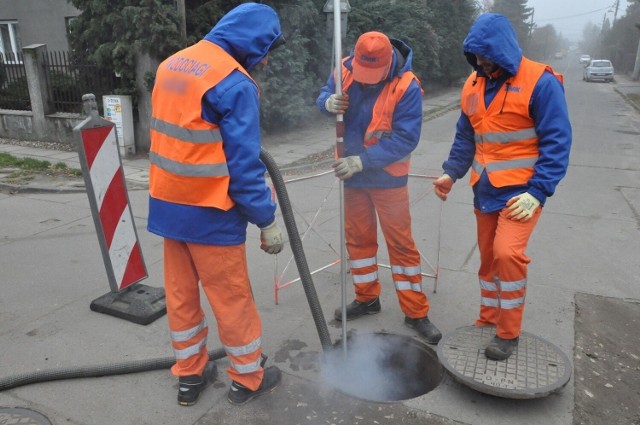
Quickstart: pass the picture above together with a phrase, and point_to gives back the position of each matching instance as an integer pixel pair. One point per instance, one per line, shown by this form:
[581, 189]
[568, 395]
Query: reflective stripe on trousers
[502, 243]
[222, 272]
[363, 208]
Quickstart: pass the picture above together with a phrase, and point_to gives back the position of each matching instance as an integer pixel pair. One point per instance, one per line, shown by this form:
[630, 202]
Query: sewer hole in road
[19, 415]
[382, 367]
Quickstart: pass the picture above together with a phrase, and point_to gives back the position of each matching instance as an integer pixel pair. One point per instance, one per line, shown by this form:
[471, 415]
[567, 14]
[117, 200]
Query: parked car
[598, 69]
[585, 59]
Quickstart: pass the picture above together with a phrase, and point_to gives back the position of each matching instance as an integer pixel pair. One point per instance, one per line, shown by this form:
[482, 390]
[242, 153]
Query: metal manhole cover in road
[536, 369]
[18, 415]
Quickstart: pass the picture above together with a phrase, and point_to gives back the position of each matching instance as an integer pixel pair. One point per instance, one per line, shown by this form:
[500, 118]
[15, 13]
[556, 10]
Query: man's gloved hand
[442, 186]
[271, 239]
[345, 168]
[522, 207]
[337, 103]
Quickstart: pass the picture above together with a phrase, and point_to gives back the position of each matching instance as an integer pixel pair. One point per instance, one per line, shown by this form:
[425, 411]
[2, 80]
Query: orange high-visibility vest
[188, 164]
[382, 116]
[505, 136]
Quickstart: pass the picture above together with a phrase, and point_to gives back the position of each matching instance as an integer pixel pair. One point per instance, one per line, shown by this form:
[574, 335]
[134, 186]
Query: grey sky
[570, 16]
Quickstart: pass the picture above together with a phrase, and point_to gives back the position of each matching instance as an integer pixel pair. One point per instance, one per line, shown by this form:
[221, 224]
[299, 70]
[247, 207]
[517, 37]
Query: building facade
[27, 22]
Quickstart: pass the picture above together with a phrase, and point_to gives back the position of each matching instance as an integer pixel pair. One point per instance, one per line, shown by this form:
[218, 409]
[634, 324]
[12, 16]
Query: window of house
[67, 23]
[10, 45]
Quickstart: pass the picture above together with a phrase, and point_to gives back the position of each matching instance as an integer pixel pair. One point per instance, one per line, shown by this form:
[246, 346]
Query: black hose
[166, 362]
[95, 371]
[296, 247]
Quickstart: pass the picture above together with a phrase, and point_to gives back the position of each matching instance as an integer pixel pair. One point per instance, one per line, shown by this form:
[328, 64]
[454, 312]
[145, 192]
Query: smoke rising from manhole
[382, 367]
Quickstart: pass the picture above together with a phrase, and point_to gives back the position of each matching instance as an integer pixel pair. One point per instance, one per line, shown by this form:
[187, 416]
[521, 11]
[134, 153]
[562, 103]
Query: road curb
[627, 99]
[13, 188]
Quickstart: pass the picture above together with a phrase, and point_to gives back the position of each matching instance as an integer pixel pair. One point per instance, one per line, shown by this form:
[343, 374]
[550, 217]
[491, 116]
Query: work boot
[501, 349]
[190, 387]
[425, 329]
[239, 394]
[357, 309]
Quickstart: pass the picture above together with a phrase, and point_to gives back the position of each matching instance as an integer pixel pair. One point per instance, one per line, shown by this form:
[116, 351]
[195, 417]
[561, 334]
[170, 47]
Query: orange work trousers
[502, 243]
[391, 206]
[222, 271]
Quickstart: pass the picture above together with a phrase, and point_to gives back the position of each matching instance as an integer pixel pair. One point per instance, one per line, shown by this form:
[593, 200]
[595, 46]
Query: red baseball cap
[372, 58]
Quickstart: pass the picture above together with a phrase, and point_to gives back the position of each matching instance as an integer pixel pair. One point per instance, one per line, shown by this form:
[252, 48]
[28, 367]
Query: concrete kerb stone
[629, 100]
[14, 188]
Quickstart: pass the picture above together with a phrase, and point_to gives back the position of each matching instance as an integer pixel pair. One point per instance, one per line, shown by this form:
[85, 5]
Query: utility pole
[180, 8]
[533, 10]
[615, 13]
[636, 68]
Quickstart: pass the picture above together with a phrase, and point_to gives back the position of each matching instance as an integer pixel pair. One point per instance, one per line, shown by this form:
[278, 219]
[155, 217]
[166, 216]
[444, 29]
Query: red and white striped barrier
[107, 192]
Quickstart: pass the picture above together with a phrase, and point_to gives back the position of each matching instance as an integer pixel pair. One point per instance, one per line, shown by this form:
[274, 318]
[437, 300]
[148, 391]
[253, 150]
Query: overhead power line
[577, 15]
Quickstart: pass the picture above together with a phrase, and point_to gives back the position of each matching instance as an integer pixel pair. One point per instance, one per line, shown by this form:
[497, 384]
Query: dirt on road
[607, 361]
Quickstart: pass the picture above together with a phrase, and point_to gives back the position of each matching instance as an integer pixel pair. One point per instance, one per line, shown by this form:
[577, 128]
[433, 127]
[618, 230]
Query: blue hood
[402, 59]
[493, 37]
[247, 33]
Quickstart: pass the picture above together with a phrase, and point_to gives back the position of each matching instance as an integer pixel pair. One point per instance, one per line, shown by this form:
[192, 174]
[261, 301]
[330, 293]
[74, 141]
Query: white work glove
[522, 207]
[337, 103]
[442, 186]
[271, 239]
[345, 168]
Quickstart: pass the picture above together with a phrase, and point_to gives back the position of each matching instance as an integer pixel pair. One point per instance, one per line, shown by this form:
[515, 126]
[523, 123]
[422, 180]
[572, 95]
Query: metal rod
[337, 43]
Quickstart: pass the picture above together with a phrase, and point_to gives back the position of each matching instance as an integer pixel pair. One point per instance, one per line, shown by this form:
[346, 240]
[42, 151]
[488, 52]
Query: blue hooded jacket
[493, 37]
[406, 123]
[247, 33]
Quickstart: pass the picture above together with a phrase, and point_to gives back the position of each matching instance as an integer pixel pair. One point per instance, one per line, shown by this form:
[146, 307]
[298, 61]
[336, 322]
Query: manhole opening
[382, 367]
[22, 416]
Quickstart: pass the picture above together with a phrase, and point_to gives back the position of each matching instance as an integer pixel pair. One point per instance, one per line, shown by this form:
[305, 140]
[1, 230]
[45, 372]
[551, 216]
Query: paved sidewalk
[629, 90]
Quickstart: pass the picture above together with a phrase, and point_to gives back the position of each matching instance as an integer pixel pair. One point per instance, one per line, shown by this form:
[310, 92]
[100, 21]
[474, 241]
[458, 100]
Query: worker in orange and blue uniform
[206, 183]
[382, 107]
[515, 136]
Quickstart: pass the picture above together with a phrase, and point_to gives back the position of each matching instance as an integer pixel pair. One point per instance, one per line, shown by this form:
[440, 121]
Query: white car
[585, 59]
[598, 69]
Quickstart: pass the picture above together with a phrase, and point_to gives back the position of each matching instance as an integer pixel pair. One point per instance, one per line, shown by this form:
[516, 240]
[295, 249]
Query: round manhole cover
[18, 415]
[536, 369]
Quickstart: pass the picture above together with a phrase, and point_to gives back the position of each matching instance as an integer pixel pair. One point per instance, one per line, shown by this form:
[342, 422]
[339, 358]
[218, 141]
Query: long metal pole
[337, 49]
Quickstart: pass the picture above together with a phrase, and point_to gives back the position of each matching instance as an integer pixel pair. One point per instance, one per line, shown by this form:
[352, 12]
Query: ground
[607, 330]
[607, 361]
[53, 177]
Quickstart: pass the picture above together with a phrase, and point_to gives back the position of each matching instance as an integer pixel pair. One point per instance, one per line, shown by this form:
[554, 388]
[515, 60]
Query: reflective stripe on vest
[382, 115]
[187, 161]
[178, 168]
[505, 137]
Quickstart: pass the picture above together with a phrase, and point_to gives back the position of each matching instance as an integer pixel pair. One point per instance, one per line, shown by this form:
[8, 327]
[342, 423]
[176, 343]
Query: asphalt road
[586, 243]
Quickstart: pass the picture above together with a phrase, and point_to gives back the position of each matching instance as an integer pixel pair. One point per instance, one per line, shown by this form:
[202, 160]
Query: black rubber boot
[427, 330]
[239, 394]
[357, 309]
[190, 387]
[501, 349]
